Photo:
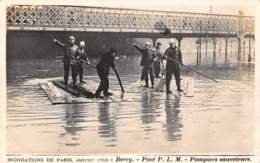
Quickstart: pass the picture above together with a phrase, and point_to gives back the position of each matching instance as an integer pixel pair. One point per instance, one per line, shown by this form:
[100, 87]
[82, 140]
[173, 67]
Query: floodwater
[218, 119]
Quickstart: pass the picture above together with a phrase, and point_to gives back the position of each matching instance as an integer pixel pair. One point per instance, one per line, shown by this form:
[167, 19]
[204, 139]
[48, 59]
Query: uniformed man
[69, 59]
[157, 62]
[103, 66]
[173, 53]
[147, 63]
[82, 56]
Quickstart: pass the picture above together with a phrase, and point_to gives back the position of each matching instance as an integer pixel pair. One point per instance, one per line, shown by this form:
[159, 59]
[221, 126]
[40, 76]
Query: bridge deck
[94, 19]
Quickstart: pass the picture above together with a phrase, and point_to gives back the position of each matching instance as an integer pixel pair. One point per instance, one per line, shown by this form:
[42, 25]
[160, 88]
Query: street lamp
[197, 45]
[249, 54]
[244, 43]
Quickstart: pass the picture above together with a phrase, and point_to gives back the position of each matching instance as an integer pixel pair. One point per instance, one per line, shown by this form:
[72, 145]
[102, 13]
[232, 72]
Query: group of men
[73, 59]
[151, 62]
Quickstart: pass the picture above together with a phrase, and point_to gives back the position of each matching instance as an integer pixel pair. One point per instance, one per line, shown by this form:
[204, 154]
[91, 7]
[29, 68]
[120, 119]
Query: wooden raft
[58, 93]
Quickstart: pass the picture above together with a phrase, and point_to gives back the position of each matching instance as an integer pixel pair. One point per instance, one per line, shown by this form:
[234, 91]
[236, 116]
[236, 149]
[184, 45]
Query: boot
[179, 86]
[75, 85]
[168, 91]
[109, 94]
[152, 82]
[98, 92]
[179, 90]
[146, 83]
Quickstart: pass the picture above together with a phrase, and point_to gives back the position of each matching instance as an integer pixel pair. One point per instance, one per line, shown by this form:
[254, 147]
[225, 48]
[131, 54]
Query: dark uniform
[173, 67]
[106, 61]
[147, 64]
[82, 55]
[69, 61]
[157, 64]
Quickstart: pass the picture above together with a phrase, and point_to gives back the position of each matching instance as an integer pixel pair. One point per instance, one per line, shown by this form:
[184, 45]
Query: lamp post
[244, 43]
[197, 45]
[249, 54]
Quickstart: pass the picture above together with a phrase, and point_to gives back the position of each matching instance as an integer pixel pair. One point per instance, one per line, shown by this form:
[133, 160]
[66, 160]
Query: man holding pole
[69, 59]
[173, 56]
[106, 61]
[146, 63]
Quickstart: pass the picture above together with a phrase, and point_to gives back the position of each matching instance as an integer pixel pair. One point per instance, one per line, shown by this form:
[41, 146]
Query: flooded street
[218, 119]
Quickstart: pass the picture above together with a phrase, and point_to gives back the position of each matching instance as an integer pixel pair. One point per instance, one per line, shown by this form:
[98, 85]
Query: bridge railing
[42, 17]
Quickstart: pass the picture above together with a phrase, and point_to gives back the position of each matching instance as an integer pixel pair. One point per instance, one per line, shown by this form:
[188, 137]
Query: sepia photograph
[131, 81]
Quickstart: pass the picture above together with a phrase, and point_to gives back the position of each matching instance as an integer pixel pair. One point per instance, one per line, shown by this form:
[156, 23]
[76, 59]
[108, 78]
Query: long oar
[185, 66]
[119, 80]
[90, 64]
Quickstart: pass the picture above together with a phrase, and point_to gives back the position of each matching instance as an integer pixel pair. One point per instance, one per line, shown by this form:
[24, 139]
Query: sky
[229, 7]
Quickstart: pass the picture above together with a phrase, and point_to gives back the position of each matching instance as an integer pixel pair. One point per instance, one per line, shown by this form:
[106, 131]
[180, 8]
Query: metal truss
[26, 17]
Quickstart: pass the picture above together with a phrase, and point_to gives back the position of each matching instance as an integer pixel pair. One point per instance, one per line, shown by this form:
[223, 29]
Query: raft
[59, 93]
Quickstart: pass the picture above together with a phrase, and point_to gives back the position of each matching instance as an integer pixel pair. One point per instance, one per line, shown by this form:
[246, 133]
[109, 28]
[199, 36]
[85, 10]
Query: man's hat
[171, 41]
[72, 38]
[82, 43]
[147, 43]
[112, 50]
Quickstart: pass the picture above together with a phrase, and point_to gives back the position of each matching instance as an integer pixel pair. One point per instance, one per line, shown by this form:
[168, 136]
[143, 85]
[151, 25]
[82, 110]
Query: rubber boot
[152, 82]
[178, 86]
[168, 91]
[98, 92]
[146, 83]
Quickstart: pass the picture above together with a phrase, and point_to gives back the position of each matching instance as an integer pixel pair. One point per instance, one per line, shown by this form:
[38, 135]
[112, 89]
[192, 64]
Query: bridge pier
[206, 46]
[239, 46]
[214, 47]
[154, 39]
[226, 45]
[249, 51]
[179, 41]
[231, 48]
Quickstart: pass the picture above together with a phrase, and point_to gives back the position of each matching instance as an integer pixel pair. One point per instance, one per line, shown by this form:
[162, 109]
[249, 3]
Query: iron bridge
[96, 19]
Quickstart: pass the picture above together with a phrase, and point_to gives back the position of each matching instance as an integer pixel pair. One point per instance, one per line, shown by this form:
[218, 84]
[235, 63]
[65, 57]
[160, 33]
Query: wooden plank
[81, 90]
[58, 94]
[54, 89]
[90, 86]
[68, 99]
[67, 89]
[51, 95]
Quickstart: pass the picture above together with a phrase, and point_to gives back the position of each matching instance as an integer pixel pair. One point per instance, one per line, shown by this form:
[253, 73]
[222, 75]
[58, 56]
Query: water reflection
[107, 127]
[147, 111]
[75, 127]
[173, 123]
[73, 116]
